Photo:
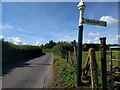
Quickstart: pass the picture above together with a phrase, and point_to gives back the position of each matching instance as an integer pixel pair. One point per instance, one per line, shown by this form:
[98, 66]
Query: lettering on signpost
[94, 22]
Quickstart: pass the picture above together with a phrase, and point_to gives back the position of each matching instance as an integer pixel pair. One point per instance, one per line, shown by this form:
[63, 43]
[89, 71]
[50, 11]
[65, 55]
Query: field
[65, 74]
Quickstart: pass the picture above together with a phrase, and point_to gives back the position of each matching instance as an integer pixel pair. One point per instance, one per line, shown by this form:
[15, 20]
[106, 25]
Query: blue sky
[34, 23]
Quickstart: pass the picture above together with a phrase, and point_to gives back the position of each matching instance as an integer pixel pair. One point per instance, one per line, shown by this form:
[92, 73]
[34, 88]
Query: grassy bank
[64, 75]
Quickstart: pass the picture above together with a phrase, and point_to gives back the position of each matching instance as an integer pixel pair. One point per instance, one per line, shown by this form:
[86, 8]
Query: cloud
[93, 41]
[89, 41]
[111, 39]
[1, 37]
[64, 36]
[7, 26]
[93, 34]
[37, 43]
[110, 36]
[17, 28]
[67, 38]
[110, 20]
[16, 40]
[118, 36]
[97, 38]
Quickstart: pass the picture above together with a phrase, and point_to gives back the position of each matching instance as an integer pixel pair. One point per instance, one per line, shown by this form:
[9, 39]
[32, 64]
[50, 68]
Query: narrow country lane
[35, 73]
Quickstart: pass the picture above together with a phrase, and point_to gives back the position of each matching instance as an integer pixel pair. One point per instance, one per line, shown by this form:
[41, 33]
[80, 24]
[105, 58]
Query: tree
[51, 44]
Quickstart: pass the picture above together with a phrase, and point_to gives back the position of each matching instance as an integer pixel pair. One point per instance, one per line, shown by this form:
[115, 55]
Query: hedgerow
[11, 52]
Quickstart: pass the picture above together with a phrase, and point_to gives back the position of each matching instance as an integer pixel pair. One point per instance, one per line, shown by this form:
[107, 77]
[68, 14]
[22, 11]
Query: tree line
[12, 52]
[62, 47]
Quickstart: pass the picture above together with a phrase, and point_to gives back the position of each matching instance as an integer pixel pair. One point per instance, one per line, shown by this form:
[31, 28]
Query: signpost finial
[81, 5]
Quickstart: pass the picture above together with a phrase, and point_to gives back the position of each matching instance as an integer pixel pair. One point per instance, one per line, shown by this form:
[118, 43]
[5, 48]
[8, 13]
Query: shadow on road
[8, 67]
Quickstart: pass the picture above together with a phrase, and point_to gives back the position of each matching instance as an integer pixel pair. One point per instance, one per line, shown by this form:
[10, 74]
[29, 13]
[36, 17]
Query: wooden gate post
[103, 62]
[75, 51]
[93, 68]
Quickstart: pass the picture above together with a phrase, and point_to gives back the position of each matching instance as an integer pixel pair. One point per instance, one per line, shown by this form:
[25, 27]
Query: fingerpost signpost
[81, 7]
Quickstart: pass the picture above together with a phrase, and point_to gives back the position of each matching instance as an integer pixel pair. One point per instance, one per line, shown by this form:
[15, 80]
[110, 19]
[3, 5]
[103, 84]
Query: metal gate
[113, 82]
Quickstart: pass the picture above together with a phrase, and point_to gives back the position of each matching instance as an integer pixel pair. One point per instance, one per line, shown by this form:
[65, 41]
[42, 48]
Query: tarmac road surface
[34, 73]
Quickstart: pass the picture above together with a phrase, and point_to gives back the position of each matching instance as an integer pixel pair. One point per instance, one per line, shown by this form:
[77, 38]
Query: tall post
[103, 62]
[81, 7]
[79, 56]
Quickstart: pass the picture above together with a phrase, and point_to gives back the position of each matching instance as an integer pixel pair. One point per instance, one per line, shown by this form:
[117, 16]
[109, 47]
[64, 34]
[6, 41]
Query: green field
[66, 74]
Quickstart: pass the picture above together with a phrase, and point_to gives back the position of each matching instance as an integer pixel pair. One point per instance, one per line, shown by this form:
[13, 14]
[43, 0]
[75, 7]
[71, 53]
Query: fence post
[70, 59]
[103, 62]
[75, 51]
[86, 67]
[75, 54]
[93, 68]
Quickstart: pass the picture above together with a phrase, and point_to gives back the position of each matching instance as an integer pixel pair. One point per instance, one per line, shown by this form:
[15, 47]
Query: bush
[62, 49]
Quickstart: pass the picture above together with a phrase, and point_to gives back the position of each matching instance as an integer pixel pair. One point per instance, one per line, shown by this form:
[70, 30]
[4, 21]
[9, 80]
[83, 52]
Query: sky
[36, 23]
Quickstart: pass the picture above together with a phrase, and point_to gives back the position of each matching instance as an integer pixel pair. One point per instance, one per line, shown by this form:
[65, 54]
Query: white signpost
[94, 22]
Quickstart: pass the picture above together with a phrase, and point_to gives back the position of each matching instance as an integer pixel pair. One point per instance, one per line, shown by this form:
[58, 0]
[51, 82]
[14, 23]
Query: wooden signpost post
[103, 62]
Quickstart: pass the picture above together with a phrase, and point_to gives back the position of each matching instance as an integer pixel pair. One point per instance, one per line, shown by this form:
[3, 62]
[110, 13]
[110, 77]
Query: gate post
[103, 62]
[93, 69]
